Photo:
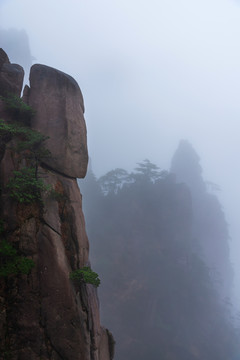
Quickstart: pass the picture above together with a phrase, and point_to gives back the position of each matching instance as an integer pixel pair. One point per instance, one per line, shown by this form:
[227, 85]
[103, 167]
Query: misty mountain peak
[186, 166]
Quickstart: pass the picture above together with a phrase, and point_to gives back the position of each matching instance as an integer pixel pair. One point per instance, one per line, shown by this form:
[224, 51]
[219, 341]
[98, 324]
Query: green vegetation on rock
[25, 187]
[85, 275]
[11, 263]
[18, 108]
[27, 139]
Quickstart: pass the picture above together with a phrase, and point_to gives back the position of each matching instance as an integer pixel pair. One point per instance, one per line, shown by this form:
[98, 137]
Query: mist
[152, 73]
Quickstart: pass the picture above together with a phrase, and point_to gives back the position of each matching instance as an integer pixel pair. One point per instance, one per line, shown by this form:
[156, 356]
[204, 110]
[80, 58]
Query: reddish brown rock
[50, 316]
[58, 102]
[45, 315]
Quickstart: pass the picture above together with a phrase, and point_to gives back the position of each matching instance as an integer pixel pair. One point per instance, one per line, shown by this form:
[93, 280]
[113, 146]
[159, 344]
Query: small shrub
[11, 263]
[18, 108]
[85, 275]
[24, 265]
[25, 187]
[29, 140]
[5, 132]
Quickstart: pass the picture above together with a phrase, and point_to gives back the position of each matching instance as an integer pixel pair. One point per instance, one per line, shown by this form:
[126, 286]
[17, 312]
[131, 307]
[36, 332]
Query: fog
[152, 73]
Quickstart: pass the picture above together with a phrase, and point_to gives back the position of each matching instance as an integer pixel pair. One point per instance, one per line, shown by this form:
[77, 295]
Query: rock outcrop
[43, 314]
[58, 102]
[11, 76]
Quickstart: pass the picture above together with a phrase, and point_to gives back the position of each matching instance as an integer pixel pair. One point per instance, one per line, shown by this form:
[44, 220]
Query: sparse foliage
[19, 110]
[28, 140]
[85, 275]
[25, 187]
[147, 171]
[11, 263]
[113, 181]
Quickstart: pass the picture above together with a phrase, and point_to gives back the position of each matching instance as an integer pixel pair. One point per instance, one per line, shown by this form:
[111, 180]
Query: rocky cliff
[43, 314]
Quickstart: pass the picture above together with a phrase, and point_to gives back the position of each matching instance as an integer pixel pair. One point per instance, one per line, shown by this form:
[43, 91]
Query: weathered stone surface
[58, 102]
[52, 318]
[61, 316]
[7, 166]
[11, 76]
[45, 315]
[106, 346]
[63, 214]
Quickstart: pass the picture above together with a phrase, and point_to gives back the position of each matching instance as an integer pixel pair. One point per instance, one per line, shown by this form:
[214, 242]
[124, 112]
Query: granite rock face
[58, 102]
[11, 76]
[45, 315]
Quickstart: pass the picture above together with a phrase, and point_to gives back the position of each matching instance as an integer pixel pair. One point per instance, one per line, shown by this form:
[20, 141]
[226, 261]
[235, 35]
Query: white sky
[152, 72]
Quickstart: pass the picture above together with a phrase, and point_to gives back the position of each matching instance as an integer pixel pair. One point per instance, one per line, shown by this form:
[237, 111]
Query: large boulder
[58, 102]
[11, 76]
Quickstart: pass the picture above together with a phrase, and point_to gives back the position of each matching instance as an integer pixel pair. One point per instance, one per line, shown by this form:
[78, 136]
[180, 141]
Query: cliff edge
[43, 149]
